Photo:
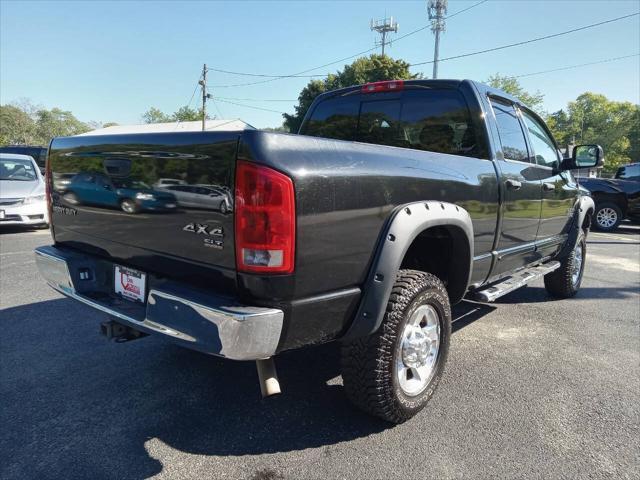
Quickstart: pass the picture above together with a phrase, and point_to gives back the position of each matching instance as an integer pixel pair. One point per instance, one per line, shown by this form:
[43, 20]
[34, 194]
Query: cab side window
[514, 145]
[544, 148]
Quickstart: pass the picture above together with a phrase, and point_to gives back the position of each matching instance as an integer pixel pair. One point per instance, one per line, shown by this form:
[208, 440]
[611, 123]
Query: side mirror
[584, 156]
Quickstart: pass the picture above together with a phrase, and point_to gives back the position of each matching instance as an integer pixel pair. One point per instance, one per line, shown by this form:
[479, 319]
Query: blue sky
[111, 61]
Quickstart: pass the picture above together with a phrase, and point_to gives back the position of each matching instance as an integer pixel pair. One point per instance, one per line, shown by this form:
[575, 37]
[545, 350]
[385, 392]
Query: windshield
[17, 170]
[129, 183]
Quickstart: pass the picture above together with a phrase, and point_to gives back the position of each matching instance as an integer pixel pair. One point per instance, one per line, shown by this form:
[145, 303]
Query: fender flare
[405, 224]
[584, 206]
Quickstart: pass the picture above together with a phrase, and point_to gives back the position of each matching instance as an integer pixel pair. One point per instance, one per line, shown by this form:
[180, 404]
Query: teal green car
[130, 195]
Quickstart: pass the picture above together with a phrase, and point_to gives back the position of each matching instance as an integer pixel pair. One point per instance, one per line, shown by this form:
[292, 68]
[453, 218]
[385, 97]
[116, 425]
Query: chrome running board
[513, 282]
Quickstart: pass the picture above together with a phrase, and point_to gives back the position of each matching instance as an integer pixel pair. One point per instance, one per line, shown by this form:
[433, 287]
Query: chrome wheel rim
[127, 207]
[419, 347]
[576, 268]
[607, 217]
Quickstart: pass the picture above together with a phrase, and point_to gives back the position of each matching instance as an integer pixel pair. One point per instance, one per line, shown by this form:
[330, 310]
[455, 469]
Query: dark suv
[616, 198]
[38, 153]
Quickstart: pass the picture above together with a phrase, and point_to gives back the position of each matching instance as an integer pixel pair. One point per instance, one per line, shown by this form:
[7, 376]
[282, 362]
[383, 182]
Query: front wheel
[394, 372]
[565, 281]
[129, 206]
[607, 217]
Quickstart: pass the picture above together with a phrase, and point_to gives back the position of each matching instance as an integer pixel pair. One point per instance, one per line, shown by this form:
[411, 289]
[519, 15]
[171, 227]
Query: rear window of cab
[436, 120]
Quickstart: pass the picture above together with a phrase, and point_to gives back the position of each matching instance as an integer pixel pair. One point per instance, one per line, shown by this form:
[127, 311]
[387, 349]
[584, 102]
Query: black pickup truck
[395, 201]
[615, 198]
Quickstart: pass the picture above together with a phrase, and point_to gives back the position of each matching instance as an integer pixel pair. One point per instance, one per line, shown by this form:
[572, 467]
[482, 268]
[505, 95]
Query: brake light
[265, 220]
[385, 86]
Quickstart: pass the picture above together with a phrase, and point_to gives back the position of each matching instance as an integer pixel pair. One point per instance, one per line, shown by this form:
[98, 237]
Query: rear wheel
[394, 372]
[71, 198]
[607, 217]
[129, 206]
[565, 281]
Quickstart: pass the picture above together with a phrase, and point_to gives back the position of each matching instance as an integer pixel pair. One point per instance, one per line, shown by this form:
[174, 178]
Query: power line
[569, 67]
[246, 74]
[251, 106]
[272, 78]
[502, 47]
[259, 99]
[575, 66]
[191, 99]
[524, 42]
[465, 9]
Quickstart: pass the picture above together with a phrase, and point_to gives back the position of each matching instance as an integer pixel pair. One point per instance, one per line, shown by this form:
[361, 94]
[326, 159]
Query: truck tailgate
[160, 201]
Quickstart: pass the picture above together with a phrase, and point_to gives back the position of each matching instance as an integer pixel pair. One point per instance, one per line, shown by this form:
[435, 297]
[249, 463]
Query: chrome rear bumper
[198, 320]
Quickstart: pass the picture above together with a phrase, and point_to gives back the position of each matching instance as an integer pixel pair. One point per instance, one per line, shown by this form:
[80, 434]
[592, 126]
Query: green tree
[154, 115]
[183, 114]
[110, 124]
[16, 126]
[593, 118]
[57, 123]
[512, 86]
[366, 69]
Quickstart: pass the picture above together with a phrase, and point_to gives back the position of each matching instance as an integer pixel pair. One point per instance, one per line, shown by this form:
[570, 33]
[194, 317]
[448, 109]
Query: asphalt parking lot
[534, 388]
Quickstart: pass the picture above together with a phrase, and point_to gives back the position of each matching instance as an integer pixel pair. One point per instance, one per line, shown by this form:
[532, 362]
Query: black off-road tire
[368, 364]
[559, 283]
[599, 209]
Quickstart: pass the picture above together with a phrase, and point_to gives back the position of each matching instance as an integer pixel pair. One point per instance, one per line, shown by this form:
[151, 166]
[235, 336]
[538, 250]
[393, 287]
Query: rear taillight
[265, 216]
[384, 86]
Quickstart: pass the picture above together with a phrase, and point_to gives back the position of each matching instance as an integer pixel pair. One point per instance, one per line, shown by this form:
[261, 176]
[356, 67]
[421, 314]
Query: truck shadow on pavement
[77, 406]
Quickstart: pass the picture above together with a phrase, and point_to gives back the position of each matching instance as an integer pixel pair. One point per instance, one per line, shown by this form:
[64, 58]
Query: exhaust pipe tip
[268, 377]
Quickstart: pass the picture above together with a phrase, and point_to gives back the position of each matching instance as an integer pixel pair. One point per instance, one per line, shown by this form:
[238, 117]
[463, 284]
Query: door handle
[548, 187]
[513, 184]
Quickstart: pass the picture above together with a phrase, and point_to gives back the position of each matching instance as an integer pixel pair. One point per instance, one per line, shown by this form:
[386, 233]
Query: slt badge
[216, 234]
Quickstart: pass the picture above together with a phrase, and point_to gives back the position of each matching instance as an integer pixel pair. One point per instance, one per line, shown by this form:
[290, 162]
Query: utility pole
[203, 83]
[437, 10]
[383, 27]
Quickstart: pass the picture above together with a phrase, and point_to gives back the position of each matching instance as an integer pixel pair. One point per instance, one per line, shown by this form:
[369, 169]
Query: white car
[22, 191]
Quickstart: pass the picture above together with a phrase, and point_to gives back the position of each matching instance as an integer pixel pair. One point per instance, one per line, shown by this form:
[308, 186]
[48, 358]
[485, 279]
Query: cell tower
[437, 10]
[383, 27]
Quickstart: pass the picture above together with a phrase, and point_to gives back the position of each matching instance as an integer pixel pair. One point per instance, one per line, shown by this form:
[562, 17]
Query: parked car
[130, 195]
[201, 196]
[22, 191]
[38, 153]
[167, 182]
[616, 198]
[396, 200]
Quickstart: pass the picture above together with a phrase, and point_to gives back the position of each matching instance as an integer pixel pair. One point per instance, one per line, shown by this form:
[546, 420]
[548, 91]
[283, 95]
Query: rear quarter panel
[346, 191]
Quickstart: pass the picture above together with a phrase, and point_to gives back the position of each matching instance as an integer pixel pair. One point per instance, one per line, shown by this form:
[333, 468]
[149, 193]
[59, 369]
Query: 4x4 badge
[214, 235]
[202, 229]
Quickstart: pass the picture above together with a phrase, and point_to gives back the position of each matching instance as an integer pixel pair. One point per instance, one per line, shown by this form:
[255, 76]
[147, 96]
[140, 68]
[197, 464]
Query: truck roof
[439, 83]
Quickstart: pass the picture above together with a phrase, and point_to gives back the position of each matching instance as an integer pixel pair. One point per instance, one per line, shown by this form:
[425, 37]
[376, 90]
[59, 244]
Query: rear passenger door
[521, 190]
[559, 189]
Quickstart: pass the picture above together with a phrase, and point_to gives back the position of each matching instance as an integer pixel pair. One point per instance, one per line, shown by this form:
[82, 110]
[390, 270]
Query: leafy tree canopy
[24, 123]
[363, 70]
[512, 86]
[593, 118]
[183, 114]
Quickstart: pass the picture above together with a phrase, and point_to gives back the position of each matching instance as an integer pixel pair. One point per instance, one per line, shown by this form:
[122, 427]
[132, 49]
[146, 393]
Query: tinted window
[380, 122]
[514, 146]
[439, 121]
[334, 118]
[434, 120]
[543, 147]
[629, 172]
